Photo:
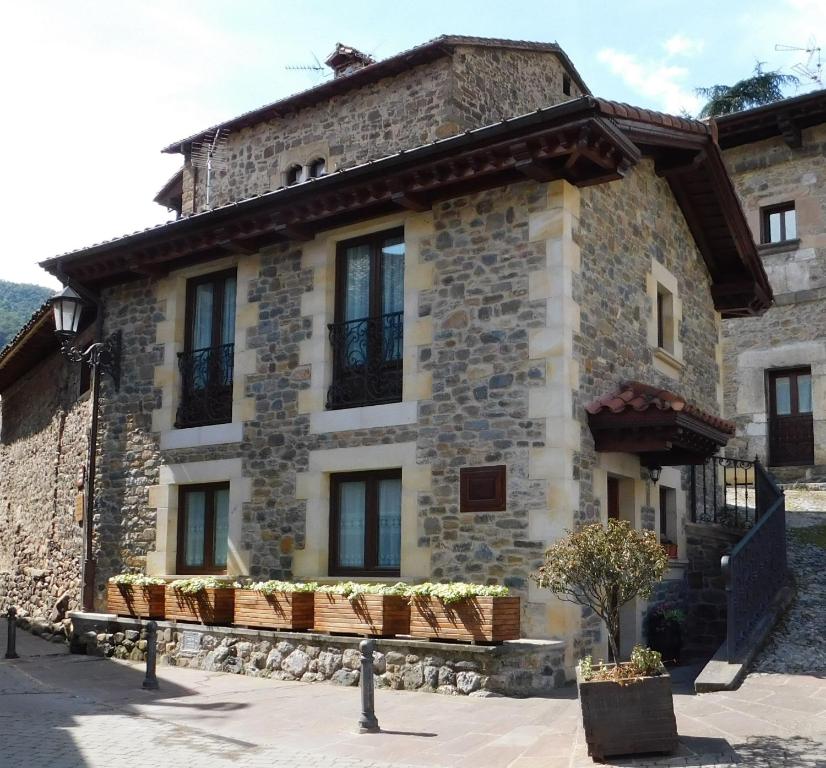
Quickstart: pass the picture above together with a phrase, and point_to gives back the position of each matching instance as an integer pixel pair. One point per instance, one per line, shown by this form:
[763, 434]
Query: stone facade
[43, 447]
[792, 333]
[519, 668]
[472, 87]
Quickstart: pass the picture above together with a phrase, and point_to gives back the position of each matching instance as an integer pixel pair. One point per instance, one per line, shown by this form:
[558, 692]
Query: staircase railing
[725, 492]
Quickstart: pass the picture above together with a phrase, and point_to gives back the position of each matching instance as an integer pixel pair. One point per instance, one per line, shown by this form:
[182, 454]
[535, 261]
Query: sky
[92, 90]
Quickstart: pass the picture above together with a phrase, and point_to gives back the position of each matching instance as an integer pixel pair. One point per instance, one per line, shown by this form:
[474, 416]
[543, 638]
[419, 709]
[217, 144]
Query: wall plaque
[190, 642]
[80, 505]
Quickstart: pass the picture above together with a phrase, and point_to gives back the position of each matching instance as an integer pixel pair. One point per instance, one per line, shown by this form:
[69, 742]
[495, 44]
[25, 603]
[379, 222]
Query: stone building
[441, 340]
[776, 382]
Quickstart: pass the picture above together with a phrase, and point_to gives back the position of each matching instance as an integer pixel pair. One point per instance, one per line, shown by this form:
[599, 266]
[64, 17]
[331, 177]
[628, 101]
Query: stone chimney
[345, 60]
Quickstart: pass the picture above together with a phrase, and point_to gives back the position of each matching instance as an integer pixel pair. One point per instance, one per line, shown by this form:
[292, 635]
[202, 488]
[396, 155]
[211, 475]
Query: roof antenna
[213, 154]
[812, 68]
[318, 68]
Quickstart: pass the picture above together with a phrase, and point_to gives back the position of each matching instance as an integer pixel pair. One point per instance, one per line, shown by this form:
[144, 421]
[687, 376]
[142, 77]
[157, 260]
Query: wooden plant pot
[374, 615]
[139, 602]
[281, 610]
[209, 606]
[478, 619]
[635, 718]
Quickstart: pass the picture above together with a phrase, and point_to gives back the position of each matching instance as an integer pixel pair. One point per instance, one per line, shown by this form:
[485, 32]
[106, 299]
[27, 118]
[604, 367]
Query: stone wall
[475, 86]
[514, 668]
[793, 332]
[43, 450]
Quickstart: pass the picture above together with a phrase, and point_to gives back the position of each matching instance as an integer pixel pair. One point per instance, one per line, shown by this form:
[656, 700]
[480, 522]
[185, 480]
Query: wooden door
[791, 429]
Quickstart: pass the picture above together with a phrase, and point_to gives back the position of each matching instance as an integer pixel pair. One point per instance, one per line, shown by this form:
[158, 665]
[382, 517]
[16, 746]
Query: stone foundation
[518, 668]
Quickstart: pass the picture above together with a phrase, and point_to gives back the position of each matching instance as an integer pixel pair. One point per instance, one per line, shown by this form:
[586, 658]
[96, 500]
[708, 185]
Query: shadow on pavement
[779, 752]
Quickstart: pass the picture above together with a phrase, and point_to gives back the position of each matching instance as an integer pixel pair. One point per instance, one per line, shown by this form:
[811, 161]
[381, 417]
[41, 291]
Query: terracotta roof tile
[637, 396]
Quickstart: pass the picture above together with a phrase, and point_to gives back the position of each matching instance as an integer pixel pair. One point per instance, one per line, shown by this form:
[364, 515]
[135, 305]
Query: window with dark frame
[778, 223]
[369, 320]
[483, 489]
[665, 319]
[206, 364]
[365, 523]
[203, 528]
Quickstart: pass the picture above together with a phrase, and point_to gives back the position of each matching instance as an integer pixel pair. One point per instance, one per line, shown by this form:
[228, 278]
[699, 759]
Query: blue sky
[94, 89]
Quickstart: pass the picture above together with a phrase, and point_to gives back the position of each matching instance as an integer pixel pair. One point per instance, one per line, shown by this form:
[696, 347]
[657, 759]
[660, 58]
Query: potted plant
[663, 630]
[459, 611]
[670, 548]
[379, 610]
[133, 594]
[205, 599]
[626, 708]
[275, 604]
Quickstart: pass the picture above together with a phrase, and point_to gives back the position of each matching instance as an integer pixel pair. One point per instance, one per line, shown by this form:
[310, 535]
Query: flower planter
[140, 602]
[209, 606]
[376, 615]
[477, 619]
[670, 550]
[636, 717]
[280, 610]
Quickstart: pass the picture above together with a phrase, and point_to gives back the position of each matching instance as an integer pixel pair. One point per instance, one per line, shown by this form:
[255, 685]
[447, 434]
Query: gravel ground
[798, 645]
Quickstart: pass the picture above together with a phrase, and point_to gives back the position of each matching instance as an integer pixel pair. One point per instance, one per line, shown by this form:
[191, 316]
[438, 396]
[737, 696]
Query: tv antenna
[812, 68]
[318, 69]
[212, 154]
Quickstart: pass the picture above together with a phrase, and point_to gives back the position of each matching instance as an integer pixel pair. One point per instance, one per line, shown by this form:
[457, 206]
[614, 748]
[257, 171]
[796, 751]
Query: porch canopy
[661, 427]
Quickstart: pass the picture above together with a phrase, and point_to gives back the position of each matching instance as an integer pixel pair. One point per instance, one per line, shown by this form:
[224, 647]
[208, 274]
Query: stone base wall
[519, 668]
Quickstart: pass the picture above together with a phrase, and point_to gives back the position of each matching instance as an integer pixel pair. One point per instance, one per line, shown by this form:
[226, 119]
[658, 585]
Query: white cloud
[680, 45]
[661, 84]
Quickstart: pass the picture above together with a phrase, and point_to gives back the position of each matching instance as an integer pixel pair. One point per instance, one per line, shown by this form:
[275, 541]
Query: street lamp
[100, 356]
[654, 474]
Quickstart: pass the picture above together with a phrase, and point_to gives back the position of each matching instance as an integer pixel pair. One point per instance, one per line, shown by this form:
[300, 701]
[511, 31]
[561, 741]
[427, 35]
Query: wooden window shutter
[482, 489]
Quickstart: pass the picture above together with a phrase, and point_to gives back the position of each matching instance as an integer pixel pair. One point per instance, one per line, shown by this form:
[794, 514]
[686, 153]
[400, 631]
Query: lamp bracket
[103, 355]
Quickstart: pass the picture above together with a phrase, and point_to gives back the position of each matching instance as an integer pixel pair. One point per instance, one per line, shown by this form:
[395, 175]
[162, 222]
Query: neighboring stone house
[776, 364]
[428, 365]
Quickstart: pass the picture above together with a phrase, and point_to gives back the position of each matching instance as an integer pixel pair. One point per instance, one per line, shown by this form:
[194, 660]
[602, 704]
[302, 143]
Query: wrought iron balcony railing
[367, 361]
[206, 392]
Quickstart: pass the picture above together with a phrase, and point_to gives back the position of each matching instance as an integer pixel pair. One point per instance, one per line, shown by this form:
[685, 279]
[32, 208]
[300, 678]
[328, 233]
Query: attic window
[566, 84]
[779, 223]
[317, 167]
[295, 174]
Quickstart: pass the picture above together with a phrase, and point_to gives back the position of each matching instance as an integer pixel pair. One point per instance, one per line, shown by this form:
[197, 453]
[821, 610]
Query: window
[206, 363]
[365, 523]
[668, 520]
[482, 489]
[203, 528]
[85, 380]
[367, 333]
[665, 319]
[566, 84]
[778, 223]
[317, 168]
[295, 174]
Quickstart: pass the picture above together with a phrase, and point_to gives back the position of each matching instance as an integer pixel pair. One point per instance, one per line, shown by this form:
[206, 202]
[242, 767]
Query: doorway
[791, 427]
[620, 504]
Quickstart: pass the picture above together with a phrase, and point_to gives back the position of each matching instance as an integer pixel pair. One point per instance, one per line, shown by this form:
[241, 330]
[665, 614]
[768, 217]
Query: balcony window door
[367, 334]
[791, 425]
[203, 528]
[207, 361]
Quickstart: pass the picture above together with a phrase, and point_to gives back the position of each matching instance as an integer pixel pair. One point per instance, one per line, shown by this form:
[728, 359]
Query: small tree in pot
[603, 568]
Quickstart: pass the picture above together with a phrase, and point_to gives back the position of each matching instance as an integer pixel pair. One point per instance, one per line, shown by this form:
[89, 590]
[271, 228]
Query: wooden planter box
[377, 615]
[140, 602]
[481, 619]
[209, 606]
[281, 610]
[636, 718]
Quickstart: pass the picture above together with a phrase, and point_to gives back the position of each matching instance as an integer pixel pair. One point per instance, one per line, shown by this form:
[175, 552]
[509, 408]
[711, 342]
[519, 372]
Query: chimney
[345, 60]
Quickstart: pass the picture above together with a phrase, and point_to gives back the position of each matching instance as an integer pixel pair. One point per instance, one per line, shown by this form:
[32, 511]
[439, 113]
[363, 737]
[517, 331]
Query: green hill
[18, 301]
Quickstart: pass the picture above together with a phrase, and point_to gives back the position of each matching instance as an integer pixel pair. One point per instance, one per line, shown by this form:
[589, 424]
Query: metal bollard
[11, 645]
[367, 722]
[150, 682]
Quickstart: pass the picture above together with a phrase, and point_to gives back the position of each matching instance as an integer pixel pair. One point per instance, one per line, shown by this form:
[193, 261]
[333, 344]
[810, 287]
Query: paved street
[63, 711]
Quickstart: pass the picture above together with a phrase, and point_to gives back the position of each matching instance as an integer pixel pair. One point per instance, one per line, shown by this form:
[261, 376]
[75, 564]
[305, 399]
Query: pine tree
[761, 88]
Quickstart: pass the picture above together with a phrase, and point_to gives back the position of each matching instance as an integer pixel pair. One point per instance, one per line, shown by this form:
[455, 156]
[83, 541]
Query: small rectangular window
[665, 319]
[482, 489]
[778, 223]
[365, 523]
[203, 528]
[566, 84]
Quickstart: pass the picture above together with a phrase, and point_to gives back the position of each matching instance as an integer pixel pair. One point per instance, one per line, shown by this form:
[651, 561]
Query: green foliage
[353, 591]
[18, 301]
[645, 661]
[200, 583]
[271, 587]
[603, 568]
[455, 592]
[761, 88]
[137, 580]
[586, 667]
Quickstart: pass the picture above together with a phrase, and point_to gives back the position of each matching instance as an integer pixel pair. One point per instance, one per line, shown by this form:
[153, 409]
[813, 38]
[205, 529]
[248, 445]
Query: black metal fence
[367, 361]
[724, 492]
[756, 569]
[206, 391]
